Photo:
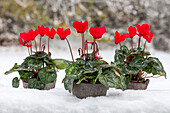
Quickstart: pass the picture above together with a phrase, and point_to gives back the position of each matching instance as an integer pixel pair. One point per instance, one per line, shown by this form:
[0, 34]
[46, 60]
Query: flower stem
[132, 44]
[48, 45]
[87, 51]
[93, 56]
[83, 52]
[122, 54]
[35, 45]
[144, 48]
[70, 49]
[31, 50]
[28, 51]
[40, 44]
[139, 42]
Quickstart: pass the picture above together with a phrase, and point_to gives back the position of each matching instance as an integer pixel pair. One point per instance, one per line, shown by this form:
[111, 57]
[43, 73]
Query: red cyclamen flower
[80, 26]
[41, 30]
[50, 33]
[32, 34]
[143, 30]
[148, 37]
[119, 38]
[97, 32]
[132, 32]
[63, 33]
[24, 39]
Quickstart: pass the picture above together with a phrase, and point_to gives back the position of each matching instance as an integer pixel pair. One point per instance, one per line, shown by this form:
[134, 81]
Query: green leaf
[118, 54]
[92, 77]
[106, 66]
[35, 64]
[48, 60]
[127, 79]
[24, 65]
[40, 55]
[110, 79]
[99, 73]
[80, 61]
[130, 70]
[138, 62]
[139, 51]
[15, 82]
[125, 49]
[119, 67]
[33, 83]
[68, 62]
[73, 71]
[148, 69]
[123, 82]
[118, 58]
[24, 75]
[12, 69]
[46, 76]
[60, 63]
[99, 62]
[91, 69]
[68, 83]
[156, 66]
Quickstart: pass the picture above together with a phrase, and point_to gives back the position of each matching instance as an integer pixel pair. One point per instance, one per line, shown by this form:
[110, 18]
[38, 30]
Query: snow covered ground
[156, 99]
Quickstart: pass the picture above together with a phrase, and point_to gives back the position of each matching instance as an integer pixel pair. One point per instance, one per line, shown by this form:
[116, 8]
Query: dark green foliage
[12, 69]
[24, 75]
[135, 61]
[35, 84]
[46, 76]
[155, 67]
[138, 62]
[118, 54]
[38, 69]
[60, 63]
[68, 83]
[91, 71]
[15, 82]
[110, 79]
[35, 64]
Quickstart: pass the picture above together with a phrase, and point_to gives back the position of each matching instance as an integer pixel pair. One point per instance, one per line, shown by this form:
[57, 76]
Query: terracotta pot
[47, 86]
[138, 86]
[84, 90]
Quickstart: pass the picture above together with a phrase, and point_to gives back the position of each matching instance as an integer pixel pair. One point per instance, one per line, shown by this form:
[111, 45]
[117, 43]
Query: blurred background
[21, 15]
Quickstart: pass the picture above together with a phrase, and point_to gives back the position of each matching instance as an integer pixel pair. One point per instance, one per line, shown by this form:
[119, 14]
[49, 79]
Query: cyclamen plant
[135, 63]
[38, 69]
[89, 68]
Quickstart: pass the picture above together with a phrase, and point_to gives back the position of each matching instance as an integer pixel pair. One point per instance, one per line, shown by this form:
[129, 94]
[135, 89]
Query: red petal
[127, 35]
[67, 32]
[150, 37]
[116, 37]
[139, 28]
[92, 32]
[85, 25]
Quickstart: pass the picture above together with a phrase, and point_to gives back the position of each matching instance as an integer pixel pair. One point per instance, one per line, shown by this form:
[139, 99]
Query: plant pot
[138, 85]
[84, 90]
[47, 86]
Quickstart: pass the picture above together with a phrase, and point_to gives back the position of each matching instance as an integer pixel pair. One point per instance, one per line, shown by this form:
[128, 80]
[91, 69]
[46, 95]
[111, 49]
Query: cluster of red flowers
[143, 31]
[26, 37]
[96, 32]
[81, 27]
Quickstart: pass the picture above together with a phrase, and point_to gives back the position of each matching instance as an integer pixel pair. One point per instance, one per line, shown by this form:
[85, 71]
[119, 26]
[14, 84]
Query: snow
[155, 99]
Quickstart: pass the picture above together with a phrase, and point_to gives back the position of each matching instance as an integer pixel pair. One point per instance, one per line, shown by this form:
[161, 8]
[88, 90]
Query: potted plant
[38, 70]
[89, 75]
[136, 63]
